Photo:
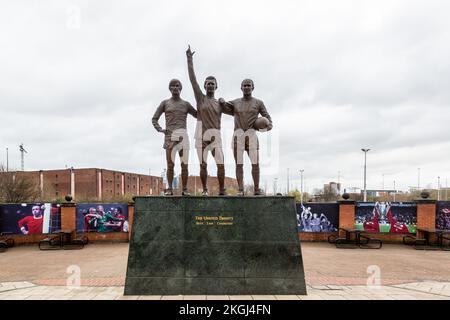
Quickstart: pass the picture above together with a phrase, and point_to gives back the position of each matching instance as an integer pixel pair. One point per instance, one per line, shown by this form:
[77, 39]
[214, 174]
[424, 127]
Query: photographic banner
[443, 215]
[317, 217]
[30, 218]
[102, 217]
[386, 217]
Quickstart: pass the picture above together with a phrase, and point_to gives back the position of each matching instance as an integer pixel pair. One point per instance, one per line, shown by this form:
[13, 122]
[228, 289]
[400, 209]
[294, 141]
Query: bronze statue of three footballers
[207, 133]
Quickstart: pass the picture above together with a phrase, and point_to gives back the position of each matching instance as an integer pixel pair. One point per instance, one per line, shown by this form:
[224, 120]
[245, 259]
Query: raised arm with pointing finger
[195, 86]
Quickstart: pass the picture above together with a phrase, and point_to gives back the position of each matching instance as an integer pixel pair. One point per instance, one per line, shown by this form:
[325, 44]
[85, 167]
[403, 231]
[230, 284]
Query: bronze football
[261, 123]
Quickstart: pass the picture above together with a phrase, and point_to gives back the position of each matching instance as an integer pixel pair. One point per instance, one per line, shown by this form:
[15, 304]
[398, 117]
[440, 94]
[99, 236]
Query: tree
[325, 195]
[232, 191]
[297, 195]
[16, 188]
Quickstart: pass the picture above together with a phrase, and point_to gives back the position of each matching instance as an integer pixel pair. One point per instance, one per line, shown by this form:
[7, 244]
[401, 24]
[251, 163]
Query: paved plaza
[396, 272]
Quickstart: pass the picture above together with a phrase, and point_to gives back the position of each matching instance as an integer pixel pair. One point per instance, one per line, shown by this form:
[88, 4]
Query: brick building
[102, 184]
[332, 187]
[92, 184]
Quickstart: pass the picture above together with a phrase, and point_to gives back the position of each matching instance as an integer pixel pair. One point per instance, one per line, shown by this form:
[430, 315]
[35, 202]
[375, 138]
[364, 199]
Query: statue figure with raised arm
[207, 133]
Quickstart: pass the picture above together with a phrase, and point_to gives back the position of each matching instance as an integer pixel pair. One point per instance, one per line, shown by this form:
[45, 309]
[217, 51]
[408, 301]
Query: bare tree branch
[16, 187]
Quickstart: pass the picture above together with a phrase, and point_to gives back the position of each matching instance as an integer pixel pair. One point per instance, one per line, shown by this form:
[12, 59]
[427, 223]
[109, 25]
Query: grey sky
[79, 82]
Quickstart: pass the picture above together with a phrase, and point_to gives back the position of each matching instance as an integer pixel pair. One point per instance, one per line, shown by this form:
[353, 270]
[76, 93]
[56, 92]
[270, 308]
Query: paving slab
[180, 297]
[287, 297]
[217, 297]
[256, 297]
[241, 297]
[195, 297]
[149, 298]
[27, 273]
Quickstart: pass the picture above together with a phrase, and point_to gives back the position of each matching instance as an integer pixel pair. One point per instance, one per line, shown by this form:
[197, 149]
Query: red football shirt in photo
[34, 225]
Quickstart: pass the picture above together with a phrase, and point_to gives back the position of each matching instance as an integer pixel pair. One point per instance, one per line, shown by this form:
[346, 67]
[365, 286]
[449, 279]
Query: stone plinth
[215, 246]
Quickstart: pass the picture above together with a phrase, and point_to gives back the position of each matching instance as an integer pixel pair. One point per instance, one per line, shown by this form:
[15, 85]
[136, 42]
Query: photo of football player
[91, 220]
[102, 217]
[386, 217]
[371, 223]
[32, 224]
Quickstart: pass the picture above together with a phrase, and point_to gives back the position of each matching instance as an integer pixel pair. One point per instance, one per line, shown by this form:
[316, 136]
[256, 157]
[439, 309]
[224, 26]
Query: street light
[439, 188]
[418, 179]
[395, 191]
[301, 186]
[287, 185]
[446, 188]
[339, 182]
[365, 167]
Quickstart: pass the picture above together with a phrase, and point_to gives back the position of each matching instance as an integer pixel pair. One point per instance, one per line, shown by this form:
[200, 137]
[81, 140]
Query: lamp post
[395, 191]
[446, 188]
[339, 182]
[439, 188]
[301, 186]
[287, 185]
[365, 175]
[418, 179]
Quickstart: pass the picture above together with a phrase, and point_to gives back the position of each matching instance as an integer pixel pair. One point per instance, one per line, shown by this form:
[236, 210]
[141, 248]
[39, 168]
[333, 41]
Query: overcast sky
[80, 81]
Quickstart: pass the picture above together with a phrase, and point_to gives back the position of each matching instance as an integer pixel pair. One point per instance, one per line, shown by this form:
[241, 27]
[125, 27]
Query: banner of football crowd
[443, 215]
[386, 217]
[383, 217]
[38, 218]
[317, 217]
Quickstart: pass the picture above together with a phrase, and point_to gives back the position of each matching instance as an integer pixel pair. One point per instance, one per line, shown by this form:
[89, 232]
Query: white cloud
[335, 76]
